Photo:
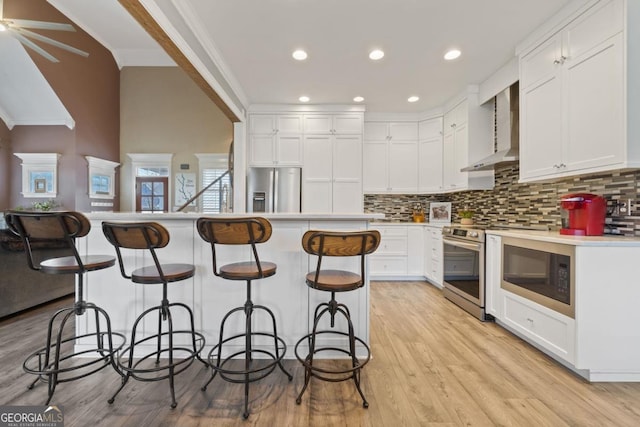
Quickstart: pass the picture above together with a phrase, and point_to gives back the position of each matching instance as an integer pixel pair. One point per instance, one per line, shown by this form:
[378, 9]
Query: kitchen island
[597, 336]
[211, 297]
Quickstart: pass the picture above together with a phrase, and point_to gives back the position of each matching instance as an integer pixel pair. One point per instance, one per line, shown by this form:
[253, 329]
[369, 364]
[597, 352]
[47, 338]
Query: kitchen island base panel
[210, 296]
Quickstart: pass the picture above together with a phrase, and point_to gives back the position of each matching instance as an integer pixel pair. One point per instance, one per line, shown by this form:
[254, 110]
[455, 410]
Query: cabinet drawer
[396, 245]
[552, 331]
[388, 265]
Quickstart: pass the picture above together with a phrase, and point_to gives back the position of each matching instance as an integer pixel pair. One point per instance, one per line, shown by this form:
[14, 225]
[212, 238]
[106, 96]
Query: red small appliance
[583, 214]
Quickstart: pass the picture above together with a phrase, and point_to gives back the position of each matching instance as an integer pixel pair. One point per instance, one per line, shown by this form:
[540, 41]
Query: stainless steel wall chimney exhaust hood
[506, 131]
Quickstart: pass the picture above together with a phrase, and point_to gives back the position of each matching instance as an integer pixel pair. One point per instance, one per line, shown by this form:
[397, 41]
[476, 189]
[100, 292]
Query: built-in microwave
[542, 272]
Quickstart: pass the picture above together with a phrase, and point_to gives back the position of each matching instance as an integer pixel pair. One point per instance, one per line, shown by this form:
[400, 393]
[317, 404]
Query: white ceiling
[243, 47]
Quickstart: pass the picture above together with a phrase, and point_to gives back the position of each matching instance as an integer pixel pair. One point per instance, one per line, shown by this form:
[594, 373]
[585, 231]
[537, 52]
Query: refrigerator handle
[274, 185]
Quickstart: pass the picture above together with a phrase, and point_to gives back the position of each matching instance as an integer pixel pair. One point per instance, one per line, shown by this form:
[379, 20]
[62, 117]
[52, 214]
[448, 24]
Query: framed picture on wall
[40, 185]
[440, 212]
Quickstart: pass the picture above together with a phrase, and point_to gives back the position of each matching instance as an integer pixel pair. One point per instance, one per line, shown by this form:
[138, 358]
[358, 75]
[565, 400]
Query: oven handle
[471, 246]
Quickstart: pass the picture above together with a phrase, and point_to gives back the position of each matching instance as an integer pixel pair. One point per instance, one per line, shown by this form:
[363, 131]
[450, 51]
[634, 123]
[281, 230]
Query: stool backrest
[62, 226]
[234, 231]
[136, 235]
[340, 244]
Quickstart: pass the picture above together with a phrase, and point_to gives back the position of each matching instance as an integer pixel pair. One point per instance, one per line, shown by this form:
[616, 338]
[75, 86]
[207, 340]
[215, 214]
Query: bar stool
[151, 236]
[335, 244]
[243, 231]
[57, 362]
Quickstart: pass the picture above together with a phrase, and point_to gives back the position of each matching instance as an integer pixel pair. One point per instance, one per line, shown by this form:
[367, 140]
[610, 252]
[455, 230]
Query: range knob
[473, 234]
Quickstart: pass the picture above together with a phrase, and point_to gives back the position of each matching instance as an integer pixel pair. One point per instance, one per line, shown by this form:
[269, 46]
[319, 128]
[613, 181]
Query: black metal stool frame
[256, 232]
[152, 234]
[42, 362]
[314, 244]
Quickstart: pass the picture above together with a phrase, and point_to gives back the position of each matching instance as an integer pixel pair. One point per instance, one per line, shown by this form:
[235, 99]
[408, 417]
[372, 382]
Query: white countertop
[136, 216]
[411, 223]
[556, 237]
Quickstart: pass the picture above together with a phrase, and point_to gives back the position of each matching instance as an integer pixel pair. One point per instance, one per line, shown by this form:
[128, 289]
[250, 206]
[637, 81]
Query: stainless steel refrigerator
[274, 190]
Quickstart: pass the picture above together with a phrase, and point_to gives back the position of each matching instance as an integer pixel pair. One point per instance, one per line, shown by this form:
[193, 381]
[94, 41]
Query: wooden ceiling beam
[147, 22]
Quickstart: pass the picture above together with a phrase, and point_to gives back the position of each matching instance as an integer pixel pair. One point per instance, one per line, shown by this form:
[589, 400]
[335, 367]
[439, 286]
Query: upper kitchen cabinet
[390, 157]
[275, 139]
[334, 124]
[576, 101]
[430, 155]
[467, 137]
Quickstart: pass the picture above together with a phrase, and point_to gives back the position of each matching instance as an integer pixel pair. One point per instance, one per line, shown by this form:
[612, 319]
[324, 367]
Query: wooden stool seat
[247, 270]
[171, 272]
[334, 280]
[69, 264]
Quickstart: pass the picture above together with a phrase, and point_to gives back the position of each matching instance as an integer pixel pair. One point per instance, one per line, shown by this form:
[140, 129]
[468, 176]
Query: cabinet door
[403, 131]
[289, 123]
[403, 166]
[430, 165]
[347, 124]
[347, 174]
[289, 150]
[541, 64]
[375, 167]
[455, 157]
[541, 128]
[595, 104]
[318, 165]
[415, 250]
[318, 123]
[376, 131]
[262, 124]
[262, 149]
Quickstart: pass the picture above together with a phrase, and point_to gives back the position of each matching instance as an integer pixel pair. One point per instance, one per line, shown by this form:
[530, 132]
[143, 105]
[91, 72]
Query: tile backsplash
[524, 204]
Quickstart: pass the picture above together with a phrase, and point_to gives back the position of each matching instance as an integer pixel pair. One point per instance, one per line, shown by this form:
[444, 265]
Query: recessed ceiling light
[413, 98]
[452, 54]
[303, 99]
[358, 99]
[376, 54]
[299, 54]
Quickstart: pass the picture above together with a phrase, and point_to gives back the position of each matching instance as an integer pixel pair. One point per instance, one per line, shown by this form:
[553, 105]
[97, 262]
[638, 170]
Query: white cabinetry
[430, 155]
[400, 254]
[493, 275]
[332, 173]
[345, 124]
[573, 91]
[390, 157]
[433, 255]
[467, 137]
[275, 140]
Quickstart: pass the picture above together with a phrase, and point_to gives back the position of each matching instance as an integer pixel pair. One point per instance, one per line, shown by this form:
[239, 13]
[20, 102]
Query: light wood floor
[433, 365]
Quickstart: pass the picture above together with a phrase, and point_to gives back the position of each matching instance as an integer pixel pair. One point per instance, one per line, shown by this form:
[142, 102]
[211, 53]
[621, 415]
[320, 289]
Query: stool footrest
[183, 357]
[262, 369]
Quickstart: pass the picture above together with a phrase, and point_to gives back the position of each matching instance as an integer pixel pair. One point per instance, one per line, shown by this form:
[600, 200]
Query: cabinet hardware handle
[563, 58]
[556, 61]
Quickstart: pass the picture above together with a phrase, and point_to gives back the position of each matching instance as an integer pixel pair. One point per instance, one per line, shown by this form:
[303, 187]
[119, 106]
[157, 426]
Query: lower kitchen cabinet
[433, 259]
[602, 341]
[400, 254]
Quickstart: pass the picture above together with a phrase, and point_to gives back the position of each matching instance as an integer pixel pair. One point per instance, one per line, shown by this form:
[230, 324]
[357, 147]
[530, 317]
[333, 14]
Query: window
[102, 175]
[39, 174]
[217, 198]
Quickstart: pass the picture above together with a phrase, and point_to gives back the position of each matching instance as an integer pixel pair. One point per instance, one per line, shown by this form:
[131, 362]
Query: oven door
[464, 269]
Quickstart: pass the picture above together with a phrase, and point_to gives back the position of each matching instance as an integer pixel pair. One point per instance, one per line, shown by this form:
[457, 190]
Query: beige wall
[163, 111]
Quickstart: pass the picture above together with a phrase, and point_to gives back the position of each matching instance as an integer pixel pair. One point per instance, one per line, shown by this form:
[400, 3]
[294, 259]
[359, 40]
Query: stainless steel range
[463, 257]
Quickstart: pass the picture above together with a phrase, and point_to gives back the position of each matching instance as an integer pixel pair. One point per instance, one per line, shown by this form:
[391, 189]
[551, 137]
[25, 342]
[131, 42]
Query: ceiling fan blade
[40, 25]
[31, 45]
[51, 41]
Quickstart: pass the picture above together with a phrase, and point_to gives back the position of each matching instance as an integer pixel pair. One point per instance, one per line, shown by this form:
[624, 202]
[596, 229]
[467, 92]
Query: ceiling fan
[17, 28]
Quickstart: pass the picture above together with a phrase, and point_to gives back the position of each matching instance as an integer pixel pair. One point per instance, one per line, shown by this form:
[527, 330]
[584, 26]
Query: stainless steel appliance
[274, 190]
[542, 272]
[463, 259]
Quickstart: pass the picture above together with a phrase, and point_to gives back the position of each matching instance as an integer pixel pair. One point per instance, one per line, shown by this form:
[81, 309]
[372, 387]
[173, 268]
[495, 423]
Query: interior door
[152, 194]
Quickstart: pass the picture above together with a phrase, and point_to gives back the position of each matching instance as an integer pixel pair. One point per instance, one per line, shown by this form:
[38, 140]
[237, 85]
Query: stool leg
[220, 338]
[53, 378]
[193, 329]
[248, 310]
[352, 349]
[312, 348]
[275, 338]
[169, 319]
